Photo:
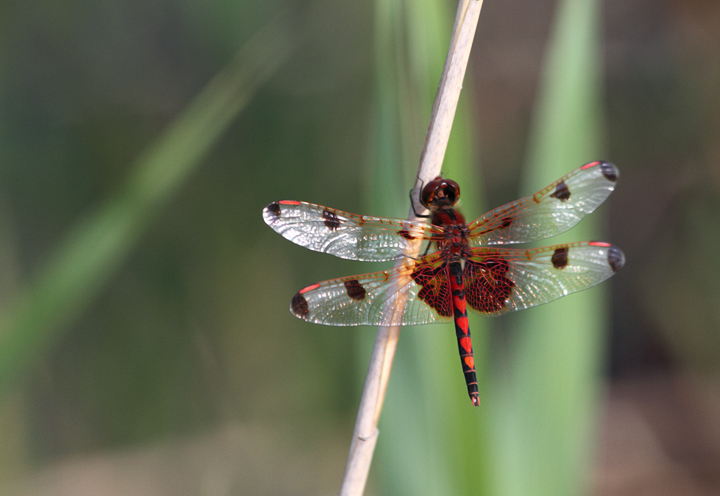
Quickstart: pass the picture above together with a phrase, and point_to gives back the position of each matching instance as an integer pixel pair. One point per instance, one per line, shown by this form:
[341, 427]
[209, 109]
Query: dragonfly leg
[412, 203]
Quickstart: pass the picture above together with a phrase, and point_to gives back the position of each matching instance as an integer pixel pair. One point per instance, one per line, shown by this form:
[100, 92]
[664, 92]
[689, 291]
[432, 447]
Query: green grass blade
[95, 247]
[546, 393]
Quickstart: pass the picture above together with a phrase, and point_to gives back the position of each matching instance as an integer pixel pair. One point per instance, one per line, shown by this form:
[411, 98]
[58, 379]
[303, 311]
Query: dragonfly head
[440, 193]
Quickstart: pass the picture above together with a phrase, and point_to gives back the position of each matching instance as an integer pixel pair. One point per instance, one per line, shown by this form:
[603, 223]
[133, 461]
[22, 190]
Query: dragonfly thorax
[455, 231]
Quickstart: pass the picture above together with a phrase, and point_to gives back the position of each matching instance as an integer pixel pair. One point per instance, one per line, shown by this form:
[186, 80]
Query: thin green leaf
[91, 252]
[546, 392]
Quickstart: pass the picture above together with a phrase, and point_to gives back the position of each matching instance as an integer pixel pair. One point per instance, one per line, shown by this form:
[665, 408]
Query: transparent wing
[345, 235]
[550, 211]
[499, 280]
[496, 280]
[362, 299]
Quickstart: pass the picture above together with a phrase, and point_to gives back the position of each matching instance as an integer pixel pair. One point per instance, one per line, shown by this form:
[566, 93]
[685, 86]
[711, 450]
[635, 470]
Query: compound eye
[429, 190]
[452, 191]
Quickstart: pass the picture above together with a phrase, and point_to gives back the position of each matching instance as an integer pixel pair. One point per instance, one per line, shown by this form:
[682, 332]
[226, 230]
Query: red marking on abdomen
[458, 301]
[462, 323]
[599, 243]
[309, 288]
[591, 164]
[462, 330]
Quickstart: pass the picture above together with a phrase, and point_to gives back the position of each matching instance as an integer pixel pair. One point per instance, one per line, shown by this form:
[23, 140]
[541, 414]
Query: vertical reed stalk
[365, 433]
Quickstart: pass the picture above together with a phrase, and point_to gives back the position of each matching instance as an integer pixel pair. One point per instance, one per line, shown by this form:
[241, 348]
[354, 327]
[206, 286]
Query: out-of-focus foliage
[182, 371]
[90, 253]
[546, 381]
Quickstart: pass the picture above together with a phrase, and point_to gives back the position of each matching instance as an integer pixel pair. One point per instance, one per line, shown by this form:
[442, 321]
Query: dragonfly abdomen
[462, 330]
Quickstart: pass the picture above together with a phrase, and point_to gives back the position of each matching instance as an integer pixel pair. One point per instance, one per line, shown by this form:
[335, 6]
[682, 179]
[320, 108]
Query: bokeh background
[145, 343]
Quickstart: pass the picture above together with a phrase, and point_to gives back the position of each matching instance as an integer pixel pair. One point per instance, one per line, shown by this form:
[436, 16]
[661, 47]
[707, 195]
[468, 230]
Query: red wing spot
[299, 306]
[274, 208]
[487, 288]
[560, 257]
[562, 192]
[506, 222]
[466, 343]
[616, 258]
[288, 202]
[470, 362]
[591, 164]
[331, 220]
[309, 288]
[355, 290]
[599, 243]
[406, 234]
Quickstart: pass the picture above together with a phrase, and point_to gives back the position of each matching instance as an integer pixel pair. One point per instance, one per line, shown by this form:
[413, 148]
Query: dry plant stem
[365, 434]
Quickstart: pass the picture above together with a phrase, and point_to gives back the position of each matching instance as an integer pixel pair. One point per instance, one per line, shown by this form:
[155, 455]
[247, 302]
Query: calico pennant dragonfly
[461, 266]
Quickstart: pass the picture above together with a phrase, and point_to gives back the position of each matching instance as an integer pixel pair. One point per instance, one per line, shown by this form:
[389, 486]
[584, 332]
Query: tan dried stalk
[436, 140]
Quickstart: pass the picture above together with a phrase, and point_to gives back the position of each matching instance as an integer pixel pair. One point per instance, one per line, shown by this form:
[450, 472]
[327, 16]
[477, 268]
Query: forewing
[363, 299]
[498, 280]
[345, 235]
[550, 211]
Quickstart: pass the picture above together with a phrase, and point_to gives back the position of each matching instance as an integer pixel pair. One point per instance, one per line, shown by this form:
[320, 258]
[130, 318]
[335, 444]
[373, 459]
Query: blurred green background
[145, 342]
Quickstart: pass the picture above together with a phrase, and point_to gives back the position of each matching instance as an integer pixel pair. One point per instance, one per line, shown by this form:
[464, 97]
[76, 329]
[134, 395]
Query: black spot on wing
[609, 170]
[615, 258]
[560, 258]
[274, 209]
[406, 234]
[355, 290]
[299, 306]
[331, 220]
[503, 223]
[562, 192]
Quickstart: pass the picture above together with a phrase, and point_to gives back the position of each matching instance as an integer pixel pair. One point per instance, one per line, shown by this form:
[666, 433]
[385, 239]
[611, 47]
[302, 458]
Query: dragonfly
[463, 265]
